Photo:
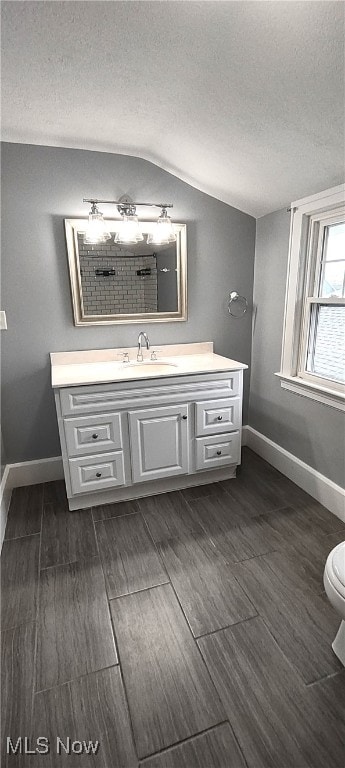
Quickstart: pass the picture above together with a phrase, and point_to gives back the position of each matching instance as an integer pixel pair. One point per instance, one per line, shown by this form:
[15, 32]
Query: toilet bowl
[334, 581]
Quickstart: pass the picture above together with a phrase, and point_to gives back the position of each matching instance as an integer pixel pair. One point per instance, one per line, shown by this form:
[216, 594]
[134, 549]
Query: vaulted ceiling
[243, 100]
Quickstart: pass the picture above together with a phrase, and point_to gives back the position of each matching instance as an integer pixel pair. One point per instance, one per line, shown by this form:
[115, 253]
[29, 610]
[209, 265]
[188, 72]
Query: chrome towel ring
[238, 305]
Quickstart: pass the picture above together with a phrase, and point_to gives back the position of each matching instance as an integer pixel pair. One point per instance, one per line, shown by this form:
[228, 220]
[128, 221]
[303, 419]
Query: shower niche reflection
[117, 282]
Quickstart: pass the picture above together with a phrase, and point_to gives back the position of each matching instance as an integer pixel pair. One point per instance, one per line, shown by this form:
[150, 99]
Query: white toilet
[334, 581]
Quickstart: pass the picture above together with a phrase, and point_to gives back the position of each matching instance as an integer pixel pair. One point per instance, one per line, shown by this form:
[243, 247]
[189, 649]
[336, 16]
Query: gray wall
[312, 431]
[2, 455]
[40, 187]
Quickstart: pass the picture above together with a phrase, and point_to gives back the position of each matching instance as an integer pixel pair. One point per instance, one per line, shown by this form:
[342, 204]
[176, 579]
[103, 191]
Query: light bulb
[163, 232]
[128, 230]
[96, 231]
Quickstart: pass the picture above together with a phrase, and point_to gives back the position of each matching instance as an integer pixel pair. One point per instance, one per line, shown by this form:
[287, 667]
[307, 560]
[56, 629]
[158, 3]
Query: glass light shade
[163, 232]
[96, 231]
[128, 230]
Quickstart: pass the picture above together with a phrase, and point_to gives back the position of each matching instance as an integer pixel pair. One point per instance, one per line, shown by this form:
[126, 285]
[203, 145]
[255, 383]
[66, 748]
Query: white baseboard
[331, 495]
[32, 472]
[5, 500]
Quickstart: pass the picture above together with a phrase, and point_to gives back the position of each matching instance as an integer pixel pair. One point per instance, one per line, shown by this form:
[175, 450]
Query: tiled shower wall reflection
[122, 293]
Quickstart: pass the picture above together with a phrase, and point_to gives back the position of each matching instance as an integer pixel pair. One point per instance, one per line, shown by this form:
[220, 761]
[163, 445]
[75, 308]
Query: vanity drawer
[93, 473]
[216, 451]
[122, 395]
[91, 434]
[214, 416]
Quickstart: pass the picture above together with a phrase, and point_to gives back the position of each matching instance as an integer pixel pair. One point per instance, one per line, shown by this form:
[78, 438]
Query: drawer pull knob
[220, 418]
[98, 474]
[219, 453]
[95, 436]
[184, 417]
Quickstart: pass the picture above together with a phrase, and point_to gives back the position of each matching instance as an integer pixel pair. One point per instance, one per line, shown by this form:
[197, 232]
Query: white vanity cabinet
[127, 439]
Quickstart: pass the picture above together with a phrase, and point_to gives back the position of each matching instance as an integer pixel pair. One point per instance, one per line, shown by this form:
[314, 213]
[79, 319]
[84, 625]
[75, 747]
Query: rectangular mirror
[125, 283]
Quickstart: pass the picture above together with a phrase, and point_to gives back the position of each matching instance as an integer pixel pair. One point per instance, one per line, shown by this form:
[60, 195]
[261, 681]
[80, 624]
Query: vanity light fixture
[128, 230]
[163, 232]
[96, 229]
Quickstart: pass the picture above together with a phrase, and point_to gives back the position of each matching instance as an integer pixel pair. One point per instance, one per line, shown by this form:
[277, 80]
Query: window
[313, 354]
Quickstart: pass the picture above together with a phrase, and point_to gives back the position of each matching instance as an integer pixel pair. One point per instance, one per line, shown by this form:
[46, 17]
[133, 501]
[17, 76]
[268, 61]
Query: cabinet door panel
[159, 442]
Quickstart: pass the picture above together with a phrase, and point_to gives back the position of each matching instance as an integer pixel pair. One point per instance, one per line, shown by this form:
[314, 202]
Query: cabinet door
[159, 442]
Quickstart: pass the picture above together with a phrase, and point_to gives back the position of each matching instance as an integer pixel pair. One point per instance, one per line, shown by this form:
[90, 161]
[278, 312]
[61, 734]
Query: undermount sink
[157, 366]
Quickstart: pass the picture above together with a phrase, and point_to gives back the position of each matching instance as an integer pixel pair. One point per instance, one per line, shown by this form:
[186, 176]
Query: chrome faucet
[140, 354]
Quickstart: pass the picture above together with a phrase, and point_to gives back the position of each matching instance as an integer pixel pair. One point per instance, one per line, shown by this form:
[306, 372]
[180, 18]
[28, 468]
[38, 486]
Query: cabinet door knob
[95, 436]
[98, 474]
[219, 453]
[184, 417]
[220, 418]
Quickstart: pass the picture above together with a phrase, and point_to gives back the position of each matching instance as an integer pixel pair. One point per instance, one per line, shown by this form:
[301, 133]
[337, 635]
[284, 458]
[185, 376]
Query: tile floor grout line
[114, 517]
[73, 679]
[196, 735]
[253, 557]
[24, 536]
[106, 590]
[321, 680]
[70, 562]
[155, 546]
[228, 626]
[138, 591]
[124, 685]
[34, 676]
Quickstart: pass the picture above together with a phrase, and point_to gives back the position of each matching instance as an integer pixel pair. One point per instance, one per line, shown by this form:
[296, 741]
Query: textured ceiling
[243, 100]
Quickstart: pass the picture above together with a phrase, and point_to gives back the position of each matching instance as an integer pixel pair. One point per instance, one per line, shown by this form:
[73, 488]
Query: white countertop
[101, 366]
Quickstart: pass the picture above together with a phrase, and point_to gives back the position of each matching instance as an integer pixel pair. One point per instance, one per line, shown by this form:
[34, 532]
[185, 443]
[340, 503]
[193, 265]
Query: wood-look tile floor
[187, 630]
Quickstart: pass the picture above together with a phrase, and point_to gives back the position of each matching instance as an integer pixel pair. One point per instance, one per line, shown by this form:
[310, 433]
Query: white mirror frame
[73, 226]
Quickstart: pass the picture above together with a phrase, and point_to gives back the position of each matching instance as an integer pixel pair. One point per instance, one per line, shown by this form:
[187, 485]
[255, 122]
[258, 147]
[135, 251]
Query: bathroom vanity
[131, 429]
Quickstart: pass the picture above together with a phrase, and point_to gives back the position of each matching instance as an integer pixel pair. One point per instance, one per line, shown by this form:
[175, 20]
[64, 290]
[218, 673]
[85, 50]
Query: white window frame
[309, 217]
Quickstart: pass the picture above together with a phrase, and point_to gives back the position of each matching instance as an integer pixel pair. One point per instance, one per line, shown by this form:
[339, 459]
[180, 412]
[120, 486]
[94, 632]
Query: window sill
[315, 392]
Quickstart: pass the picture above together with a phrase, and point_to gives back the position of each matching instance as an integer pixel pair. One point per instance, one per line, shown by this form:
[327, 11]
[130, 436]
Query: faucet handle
[125, 357]
[154, 354]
